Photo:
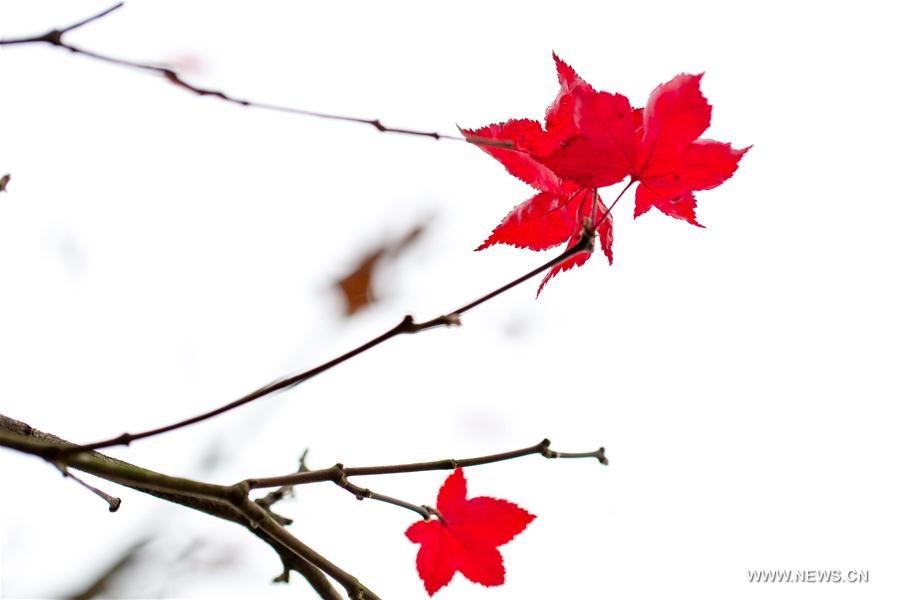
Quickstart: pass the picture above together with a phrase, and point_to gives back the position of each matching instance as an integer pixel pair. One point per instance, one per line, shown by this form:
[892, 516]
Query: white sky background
[162, 253]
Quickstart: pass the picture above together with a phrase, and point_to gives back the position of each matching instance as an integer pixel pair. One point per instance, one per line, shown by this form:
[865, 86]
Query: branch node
[432, 512]
[407, 325]
[53, 37]
[238, 493]
[285, 577]
[586, 243]
[282, 520]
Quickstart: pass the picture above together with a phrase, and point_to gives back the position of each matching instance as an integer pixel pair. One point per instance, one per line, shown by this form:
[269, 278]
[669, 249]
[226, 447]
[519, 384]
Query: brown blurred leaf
[357, 287]
[3, 181]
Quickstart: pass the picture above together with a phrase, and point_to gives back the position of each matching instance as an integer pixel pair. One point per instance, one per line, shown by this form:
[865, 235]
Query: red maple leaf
[555, 214]
[465, 537]
[657, 147]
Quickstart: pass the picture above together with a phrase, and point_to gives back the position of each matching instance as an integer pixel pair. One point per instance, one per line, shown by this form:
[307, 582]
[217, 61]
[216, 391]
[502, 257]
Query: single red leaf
[601, 149]
[559, 116]
[662, 151]
[465, 537]
[673, 162]
[556, 214]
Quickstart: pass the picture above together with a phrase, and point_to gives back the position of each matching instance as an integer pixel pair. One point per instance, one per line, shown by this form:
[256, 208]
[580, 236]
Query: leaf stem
[362, 493]
[606, 213]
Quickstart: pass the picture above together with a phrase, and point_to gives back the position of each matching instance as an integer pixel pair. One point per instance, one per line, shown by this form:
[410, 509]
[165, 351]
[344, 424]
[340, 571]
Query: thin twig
[362, 493]
[54, 37]
[286, 490]
[278, 495]
[99, 15]
[106, 579]
[338, 472]
[113, 502]
[407, 326]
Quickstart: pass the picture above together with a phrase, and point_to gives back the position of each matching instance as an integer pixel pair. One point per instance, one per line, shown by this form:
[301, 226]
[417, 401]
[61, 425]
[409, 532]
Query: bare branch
[406, 326]
[286, 490]
[54, 37]
[363, 493]
[338, 472]
[99, 15]
[227, 502]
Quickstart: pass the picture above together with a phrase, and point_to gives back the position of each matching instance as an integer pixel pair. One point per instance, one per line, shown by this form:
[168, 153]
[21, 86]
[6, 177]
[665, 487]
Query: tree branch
[54, 37]
[278, 495]
[339, 472]
[362, 493]
[406, 326]
[231, 503]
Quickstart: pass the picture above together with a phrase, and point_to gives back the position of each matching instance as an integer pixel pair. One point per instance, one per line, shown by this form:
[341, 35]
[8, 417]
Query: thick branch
[226, 502]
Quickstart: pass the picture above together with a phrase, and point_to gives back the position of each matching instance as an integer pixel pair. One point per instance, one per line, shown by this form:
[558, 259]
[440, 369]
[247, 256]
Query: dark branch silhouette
[54, 37]
[406, 326]
[233, 503]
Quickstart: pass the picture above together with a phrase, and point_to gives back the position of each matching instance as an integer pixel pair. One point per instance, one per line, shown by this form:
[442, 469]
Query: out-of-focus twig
[102, 582]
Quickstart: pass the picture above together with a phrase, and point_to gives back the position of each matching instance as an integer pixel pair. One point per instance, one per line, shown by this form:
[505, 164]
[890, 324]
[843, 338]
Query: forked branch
[233, 502]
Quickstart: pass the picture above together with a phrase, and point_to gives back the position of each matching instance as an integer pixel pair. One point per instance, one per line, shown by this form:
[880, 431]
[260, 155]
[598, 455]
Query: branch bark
[230, 503]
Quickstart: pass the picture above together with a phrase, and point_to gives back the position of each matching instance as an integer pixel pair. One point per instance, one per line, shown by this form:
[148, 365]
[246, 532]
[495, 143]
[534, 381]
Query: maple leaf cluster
[592, 139]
